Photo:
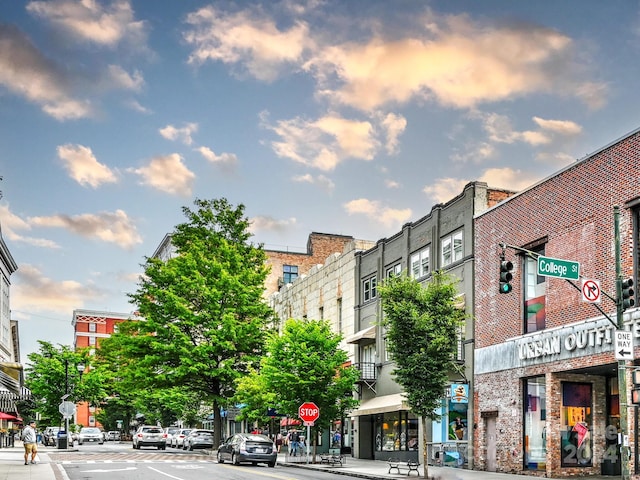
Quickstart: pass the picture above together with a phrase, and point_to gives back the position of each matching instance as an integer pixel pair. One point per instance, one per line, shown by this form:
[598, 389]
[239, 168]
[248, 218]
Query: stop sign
[309, 412]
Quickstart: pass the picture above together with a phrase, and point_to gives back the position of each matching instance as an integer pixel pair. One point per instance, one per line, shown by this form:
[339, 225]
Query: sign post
[308, 413]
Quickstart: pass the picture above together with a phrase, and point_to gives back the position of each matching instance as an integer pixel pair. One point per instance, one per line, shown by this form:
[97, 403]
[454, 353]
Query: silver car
[198, 439]
[178, 438]
[150, 436]
[248, 448]
[90, 435]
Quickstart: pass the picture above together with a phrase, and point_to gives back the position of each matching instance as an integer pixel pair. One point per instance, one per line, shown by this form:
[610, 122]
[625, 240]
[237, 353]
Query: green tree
[204, 315]
[422, 331]
[305, 364]
[52, 372]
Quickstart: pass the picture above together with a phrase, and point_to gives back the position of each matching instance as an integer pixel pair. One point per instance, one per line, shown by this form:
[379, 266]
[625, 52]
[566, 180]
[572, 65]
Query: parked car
[248, 448]
[198, 439]
[149, 436]
[170, 432]
[50, 435]
[90, 435]
[114, 436]
[178, 438]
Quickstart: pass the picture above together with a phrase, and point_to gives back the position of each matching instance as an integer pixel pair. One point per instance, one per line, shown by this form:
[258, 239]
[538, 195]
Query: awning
[11, 376]
[368, 333]
[383, 404]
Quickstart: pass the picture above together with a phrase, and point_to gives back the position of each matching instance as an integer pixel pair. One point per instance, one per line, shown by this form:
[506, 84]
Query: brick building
[89, 327]
[286, 265]
[545, 383]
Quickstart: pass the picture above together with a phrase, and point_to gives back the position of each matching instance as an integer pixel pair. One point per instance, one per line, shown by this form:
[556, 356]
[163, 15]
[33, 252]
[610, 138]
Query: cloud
[91, 21]
[119, 77]
[265, 223]
[12, 223]
[168, 174]
[560, 127]
[323, 182]
[375, 211]
[225, 160]
[454, 62]
[179, 134]
[33, 291]
[83, 166]
[323, 143]
[244, 38]
[26, 72]
[394, 126]
[135, 105]
[111, 227]
[444, 189]
[392, 184]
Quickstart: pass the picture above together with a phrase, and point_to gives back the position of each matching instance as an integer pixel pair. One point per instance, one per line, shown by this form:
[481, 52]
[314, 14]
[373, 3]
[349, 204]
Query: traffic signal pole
[622, 373]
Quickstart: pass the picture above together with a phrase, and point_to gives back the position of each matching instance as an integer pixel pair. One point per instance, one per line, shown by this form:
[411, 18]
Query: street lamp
[80, 367]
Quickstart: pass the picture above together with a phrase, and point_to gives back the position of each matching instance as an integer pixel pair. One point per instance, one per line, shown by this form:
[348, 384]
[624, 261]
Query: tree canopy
[204, 316]
[302, 364]
[422, 325]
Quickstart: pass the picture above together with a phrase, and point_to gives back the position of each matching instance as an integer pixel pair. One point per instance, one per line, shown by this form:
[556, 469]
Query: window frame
[370, 288]
[288, 273]
[419, 255]
[457, 253]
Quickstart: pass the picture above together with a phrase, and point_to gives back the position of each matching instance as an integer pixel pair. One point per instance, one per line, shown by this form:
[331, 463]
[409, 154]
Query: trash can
[62, 439]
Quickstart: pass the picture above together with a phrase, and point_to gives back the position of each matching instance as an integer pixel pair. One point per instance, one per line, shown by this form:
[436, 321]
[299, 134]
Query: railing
[368, 371]
[6, 440]
[447, 454]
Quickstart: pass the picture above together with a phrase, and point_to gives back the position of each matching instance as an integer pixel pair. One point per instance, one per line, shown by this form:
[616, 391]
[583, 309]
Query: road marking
[164, 473]
[104, 470]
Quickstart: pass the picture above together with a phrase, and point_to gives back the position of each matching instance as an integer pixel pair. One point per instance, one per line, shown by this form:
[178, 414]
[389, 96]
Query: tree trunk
[425, 452]
[217, 425]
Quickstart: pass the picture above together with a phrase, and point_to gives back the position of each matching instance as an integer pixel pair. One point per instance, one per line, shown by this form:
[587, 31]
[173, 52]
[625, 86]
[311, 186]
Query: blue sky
[339, 117]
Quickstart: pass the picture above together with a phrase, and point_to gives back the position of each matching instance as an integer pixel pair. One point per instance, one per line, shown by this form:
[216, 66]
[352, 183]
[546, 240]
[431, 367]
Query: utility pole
[622, 373]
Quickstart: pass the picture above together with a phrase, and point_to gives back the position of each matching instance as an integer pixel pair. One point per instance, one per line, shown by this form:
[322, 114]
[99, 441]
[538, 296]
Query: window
[339, 307]
[534, 294]
[452, 248]
[535, 420]
[92, 340]
[576, 425]
[289, 273]
[420, 265]
[396, 432]
[394, 270]
[369, 288]
[92, 327]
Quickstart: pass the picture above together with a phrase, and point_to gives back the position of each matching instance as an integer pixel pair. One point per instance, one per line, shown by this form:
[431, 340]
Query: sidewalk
[12, 465]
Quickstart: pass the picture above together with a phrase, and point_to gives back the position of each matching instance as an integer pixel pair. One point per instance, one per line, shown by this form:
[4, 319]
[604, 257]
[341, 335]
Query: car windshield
[89, 430]
[152, 430]
[257, 438]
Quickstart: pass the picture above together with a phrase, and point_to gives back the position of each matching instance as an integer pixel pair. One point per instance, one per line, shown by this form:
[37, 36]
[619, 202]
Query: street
[114, 461]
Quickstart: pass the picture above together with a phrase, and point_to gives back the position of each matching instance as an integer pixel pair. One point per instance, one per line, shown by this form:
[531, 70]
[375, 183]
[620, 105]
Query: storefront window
[458, 407]
[576, 425]
[396, 431]
[535, 429]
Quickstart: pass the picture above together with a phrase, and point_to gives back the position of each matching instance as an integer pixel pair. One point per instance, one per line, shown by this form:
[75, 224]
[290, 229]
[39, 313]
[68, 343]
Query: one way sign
[623, 345]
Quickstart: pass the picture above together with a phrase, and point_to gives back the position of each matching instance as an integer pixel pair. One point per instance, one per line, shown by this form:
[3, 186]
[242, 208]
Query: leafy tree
[205, 318]
[52, 372]
[422, 331]
[305, 364]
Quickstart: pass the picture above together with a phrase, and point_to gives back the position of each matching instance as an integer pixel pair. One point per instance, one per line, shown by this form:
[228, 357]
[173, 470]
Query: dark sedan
[248, 448]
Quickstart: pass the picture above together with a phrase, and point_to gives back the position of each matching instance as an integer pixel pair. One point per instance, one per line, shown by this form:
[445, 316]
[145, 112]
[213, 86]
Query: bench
[331, 459]
[398, 465]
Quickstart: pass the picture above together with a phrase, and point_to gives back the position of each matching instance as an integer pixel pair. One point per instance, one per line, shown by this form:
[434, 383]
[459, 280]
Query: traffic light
[505, 276]
[627, 294]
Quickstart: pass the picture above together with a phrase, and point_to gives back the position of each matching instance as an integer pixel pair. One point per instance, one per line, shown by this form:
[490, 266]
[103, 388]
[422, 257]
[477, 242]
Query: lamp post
[80, 367]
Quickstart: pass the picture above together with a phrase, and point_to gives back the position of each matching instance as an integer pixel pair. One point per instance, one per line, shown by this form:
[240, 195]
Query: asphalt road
[119, 461]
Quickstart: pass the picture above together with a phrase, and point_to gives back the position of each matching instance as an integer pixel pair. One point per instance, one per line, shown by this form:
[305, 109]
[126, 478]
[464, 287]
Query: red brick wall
[319, 247]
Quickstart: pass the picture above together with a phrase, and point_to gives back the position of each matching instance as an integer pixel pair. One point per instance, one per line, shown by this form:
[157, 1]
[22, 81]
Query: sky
[344, 117]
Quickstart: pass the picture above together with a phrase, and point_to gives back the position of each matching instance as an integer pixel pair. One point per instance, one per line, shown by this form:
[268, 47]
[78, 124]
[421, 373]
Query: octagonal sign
[309, 412]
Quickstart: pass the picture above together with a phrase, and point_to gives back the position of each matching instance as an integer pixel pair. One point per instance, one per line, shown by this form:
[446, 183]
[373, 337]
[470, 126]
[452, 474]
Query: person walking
[29, 440]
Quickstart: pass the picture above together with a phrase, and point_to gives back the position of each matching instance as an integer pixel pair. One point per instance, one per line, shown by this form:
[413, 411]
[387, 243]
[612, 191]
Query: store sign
[459, 393]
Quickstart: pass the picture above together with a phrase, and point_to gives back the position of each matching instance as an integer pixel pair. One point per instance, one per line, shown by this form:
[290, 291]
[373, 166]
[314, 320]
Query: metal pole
[308, 441]
[622, 374]
[66, 391]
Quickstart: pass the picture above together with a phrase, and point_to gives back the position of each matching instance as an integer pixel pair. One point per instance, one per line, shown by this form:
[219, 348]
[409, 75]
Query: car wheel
[234, 459]
[159, 447]
[133, 445]
[272, 464]
[79, 443]
[190, 448]
[220, 459]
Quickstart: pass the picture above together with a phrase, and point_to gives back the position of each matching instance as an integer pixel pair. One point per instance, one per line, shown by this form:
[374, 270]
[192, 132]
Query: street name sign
[556, 267]
[623, 345]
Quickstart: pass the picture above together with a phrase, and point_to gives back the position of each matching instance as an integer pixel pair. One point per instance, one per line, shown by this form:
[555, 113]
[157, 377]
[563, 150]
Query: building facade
[89, 327]
[441, 240]
[326, 292]
[546, 376]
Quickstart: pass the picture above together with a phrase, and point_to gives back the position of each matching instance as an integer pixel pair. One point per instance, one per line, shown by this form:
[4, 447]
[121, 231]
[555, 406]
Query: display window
[576, 425]
[535, 424]
[396, 431]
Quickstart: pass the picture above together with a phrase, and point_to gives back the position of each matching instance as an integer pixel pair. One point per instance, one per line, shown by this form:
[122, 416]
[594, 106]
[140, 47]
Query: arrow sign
[623, 345]
[591, 290]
